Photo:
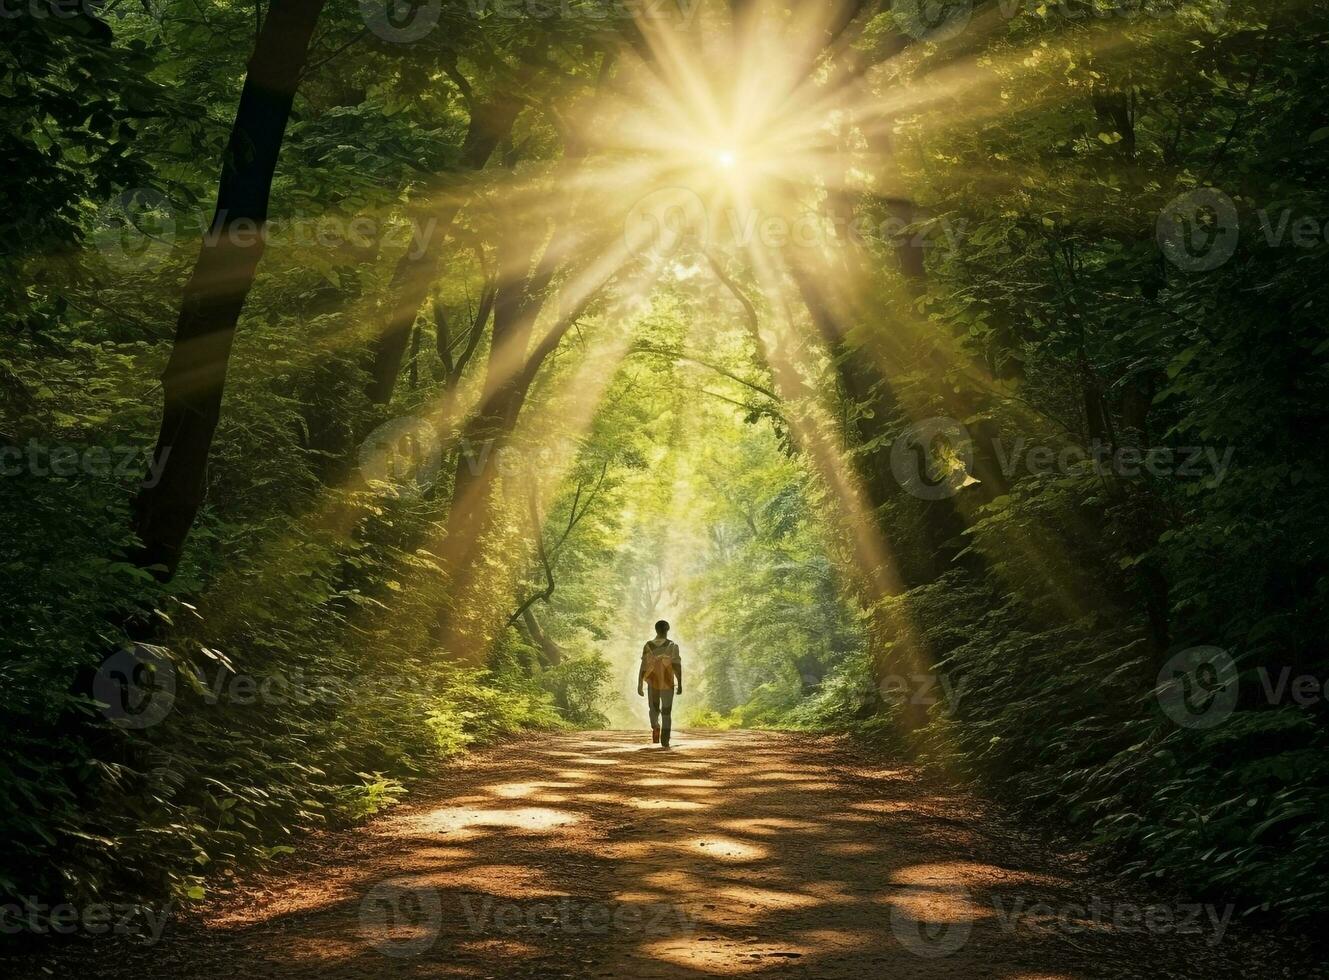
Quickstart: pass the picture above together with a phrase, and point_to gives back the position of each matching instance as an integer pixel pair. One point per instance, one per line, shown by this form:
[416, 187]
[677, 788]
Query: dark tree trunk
[940, 523]
[414, 380]
[1117, 109]
[195, 375]
[909, 248]
[487, 433]
[551, 653]
[418, 269]
[509, 373]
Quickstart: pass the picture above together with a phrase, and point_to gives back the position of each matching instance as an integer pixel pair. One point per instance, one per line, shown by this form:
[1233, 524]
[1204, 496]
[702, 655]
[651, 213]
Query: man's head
[662, 628]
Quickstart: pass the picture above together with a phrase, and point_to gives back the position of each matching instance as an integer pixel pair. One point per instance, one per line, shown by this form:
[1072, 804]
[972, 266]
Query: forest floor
[737, 853]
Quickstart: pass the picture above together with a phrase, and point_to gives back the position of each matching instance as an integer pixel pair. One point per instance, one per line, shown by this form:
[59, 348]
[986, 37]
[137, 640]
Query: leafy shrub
[578, 685]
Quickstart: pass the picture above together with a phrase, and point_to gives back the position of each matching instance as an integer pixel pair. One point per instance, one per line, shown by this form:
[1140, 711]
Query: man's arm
[641, 672]
[678, 669]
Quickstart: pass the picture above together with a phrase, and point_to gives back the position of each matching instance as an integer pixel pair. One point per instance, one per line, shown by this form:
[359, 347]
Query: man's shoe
[655, 735]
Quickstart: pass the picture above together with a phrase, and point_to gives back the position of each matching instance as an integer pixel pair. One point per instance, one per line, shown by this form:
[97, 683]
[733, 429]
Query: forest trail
[737, 853]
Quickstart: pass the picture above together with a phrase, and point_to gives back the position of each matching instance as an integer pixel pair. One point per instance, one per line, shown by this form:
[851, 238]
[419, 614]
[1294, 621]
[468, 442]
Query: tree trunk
[195, 375]
[414, 381]
[489, 429]
[417, 270]
[940, 524]
[551, 653]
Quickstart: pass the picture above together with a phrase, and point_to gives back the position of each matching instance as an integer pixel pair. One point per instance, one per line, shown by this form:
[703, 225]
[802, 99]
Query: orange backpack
[660, 665]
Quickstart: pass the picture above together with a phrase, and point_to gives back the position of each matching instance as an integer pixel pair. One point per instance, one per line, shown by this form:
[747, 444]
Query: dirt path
[743, 853]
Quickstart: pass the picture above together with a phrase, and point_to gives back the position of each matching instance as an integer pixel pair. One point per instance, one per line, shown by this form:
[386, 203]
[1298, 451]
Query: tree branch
[711, 365]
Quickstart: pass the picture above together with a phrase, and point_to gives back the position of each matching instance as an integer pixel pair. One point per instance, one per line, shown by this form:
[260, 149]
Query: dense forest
[948, 374]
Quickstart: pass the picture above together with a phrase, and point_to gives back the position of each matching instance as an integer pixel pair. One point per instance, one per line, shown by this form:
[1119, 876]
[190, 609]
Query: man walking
[662, 670]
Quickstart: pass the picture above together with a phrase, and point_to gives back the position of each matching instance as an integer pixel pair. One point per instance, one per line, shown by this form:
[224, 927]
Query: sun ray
[793, 116]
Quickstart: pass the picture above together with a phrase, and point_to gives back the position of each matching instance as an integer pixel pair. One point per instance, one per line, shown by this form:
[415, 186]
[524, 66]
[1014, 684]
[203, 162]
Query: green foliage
[771, 617]
[324, 653]
[578, 685]
[360, 801]
[1091, 332]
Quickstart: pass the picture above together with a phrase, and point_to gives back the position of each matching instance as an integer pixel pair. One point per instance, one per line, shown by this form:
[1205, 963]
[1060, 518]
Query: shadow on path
[740, 853]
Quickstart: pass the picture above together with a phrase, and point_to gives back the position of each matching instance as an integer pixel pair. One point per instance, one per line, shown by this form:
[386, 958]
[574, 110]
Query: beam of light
[786, 135]
[774, 126]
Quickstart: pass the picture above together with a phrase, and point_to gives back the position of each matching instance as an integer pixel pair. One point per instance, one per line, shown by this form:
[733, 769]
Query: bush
[578, 684]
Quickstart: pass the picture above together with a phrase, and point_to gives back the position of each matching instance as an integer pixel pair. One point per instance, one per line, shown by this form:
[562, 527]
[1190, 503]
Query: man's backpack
[660, 665]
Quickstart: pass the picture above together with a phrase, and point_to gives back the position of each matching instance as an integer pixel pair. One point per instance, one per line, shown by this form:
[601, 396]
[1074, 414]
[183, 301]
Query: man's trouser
[660, 701]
